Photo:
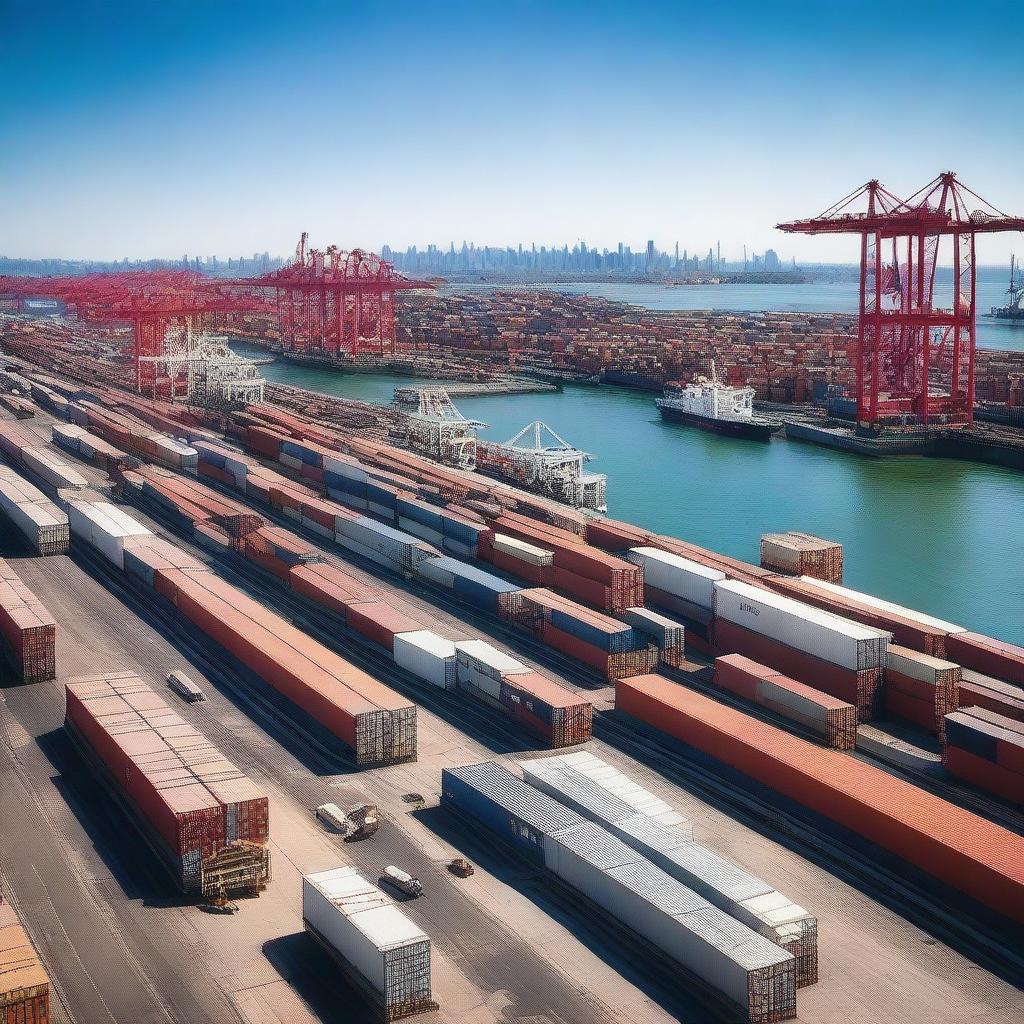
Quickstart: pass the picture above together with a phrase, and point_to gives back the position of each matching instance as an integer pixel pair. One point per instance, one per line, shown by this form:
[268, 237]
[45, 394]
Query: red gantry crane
[335, 303]
[915, 345]
[156, 304]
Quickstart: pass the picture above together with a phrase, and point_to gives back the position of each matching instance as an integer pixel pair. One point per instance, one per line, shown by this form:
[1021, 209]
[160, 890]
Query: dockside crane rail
[915, 348]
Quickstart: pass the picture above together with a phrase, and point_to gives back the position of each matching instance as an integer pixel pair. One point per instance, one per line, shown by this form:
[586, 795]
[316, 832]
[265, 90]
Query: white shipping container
[676, 575]
[336, 464]
[819, 633]
[103, 526]
[482, 666]
[435, 537]
[292, 461]
[516, 548]
[886, 606]
[617, 783]
[660, 627]
[792, 705]
[428, 656]
[54, 471]
[728, 955]
[370, 934]
[919, 666]
[431, 569]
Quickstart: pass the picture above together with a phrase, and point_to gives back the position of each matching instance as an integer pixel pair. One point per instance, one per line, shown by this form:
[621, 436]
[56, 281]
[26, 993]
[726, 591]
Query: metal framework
[336, 304]
[915, 347]
[439, 430]
[540, 460]
[161, 306]
[216, 377]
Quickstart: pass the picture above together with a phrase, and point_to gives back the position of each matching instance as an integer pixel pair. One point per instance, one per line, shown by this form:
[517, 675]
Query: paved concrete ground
[122, 947]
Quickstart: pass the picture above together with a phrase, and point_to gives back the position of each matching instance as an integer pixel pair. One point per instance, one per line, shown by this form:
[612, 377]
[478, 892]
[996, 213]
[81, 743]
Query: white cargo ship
[709, 404]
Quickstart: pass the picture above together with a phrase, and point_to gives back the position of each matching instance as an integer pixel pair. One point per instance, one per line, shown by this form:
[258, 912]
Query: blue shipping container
[518, 813]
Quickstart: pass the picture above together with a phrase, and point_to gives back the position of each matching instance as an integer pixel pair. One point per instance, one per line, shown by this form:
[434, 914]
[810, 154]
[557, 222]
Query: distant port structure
[915, 357]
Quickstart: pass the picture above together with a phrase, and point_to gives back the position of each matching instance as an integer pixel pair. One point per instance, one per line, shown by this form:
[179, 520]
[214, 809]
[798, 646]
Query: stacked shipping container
[832, 719]
[208, 823]
[731, 958]
[802, 554]
[27, 629]
[987, 750]
[749, 900]
[41, 522]
[920, 688]
[833, 654]
[614, 648]
[959, 849]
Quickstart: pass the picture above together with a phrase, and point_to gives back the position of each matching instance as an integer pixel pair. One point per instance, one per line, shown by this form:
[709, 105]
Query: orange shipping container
[960, 849]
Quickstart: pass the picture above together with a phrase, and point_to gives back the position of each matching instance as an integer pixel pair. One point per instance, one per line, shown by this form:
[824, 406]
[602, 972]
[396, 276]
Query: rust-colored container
[960, 849]
[859, 688]
[190, 796]
[993, 778]
[378, 724]
[27, 628]
[985, 654]
[379, 622]
[328, 584]
[24, 985]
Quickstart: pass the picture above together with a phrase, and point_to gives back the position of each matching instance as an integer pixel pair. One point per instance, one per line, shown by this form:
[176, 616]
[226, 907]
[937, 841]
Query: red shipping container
[985, 654]
[1003, 698]
[857, 688]
[918, 710]
[379, 622]
[960, 849]
[986, 775]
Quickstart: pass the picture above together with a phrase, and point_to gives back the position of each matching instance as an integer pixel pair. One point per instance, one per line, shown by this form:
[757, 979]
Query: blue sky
[155, 129]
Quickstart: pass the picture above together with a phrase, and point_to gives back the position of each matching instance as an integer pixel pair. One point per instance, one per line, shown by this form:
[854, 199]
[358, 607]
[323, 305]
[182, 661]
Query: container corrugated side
[676, 575]
[830, 637]
[369, 932]
[733, 959]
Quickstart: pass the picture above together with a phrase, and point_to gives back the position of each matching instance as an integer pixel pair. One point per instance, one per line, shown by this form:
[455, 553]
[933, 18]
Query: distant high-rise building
[771, 260]
[650, 251]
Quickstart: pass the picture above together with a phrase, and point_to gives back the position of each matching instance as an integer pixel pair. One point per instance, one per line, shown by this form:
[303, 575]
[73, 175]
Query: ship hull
[754, 430]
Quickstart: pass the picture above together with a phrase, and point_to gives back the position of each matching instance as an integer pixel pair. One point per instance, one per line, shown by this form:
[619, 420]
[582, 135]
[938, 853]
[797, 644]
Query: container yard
[362, 623]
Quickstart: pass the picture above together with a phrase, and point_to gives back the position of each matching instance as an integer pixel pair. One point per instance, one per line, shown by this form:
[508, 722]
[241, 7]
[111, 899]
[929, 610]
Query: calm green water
[943, 536]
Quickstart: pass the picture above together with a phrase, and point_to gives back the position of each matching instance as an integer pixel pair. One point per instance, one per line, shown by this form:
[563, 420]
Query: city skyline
[154, 131]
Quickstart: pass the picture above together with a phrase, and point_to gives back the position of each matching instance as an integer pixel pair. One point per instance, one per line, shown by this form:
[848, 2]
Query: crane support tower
[541, 461]
[439, 430]
[335, 304]
[915, 344]
[163, 308]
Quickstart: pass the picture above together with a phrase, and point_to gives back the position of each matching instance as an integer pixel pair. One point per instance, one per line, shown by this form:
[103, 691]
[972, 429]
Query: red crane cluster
[915, 342]
[334, 303]
[329, 303]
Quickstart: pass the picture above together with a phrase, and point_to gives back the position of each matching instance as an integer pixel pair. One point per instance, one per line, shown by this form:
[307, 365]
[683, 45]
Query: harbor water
[940, 535]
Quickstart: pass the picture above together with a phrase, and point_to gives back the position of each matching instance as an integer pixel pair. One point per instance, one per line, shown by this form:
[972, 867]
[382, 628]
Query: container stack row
[921, 689]
[90, 447]
[613, 647]
[836, 655]
[373, 721]
[21, 447]
[132, 435]
[752, 972]
[959, 850]
[986, 749]
[27, 629]
[583, 788]
[38, 519]
[206, 821]
[833, 720]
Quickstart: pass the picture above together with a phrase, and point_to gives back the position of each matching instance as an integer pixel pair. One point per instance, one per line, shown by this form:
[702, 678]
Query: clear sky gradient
[156, 129]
